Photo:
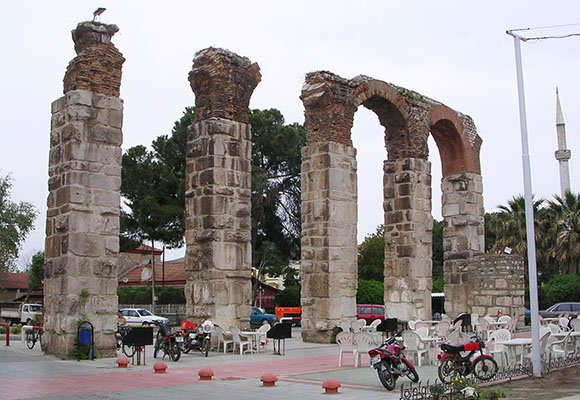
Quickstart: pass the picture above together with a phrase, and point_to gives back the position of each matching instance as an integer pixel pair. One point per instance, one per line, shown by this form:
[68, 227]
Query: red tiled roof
[144, 249]
[14, 280]
[174, 275]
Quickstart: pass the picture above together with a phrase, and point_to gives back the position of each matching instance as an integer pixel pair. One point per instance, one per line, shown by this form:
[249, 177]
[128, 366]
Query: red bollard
[122, 362]
[160, 367]
[269, 380]
[331, 386]
[7, 333]
[205, 374]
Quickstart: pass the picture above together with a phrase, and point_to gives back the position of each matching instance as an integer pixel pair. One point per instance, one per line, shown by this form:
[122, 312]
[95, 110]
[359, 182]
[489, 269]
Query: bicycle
[122, 331]
[33, 336]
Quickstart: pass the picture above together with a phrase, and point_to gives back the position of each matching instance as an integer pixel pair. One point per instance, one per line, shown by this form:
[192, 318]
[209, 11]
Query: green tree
[16, 222]
[371, 256]
[437, 247]
[564, 214]
[36, 270]
[370, 292]
[289, 297]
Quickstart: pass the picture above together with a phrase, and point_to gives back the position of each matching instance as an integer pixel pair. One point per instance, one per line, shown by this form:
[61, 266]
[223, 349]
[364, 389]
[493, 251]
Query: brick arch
[451, 137]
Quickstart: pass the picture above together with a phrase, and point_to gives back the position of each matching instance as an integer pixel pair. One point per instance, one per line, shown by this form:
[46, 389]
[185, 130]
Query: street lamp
[531, 238]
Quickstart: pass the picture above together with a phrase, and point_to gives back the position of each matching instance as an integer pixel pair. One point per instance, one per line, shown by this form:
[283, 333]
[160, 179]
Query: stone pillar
[463, 236]
[329, 256]
[408, 226]
[218, 256]
[82, 224]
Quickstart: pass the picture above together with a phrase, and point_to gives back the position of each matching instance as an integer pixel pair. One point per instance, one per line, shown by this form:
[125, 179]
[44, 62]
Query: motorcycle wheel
[174, 352]
[447, 370]
[206, 345]
[186, 346]
[413, 376]
[485, 368]
[386, 377]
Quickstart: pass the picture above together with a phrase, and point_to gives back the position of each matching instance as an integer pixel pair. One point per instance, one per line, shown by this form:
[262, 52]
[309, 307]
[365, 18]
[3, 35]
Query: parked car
[259, 316]
[141, 316]
[555, 311]
[370, 312]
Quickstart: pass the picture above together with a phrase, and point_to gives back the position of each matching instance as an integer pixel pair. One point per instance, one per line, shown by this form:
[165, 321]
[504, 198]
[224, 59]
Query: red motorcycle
[390, 363]
[453, 365]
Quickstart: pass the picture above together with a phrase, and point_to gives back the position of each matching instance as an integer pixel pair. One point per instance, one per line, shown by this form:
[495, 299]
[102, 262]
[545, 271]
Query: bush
[142, 295]
[561, 288]
[491, 394]
[16, 329]
[438, 285]
[370, 292]
[2, 330]
[289, 297]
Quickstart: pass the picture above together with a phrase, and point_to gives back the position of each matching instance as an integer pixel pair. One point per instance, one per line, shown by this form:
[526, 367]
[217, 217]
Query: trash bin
[85, 340]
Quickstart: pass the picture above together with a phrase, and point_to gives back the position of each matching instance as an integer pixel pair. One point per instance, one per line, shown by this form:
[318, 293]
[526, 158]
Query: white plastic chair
[504, 319]
[563, 322]
[483, 328]
[544, 337]
[422, 331]
[457, 337]
[493, 348]
[512, 325]
[345, 344]
[575, 324]
[421, 324]
[374, 324]
[345, 325]
[362, 322]
[362, 342]
[558, 348]
[355, 327]
[415, 345]
[262, 339]
[411, 324]
[240, 341]
[554, 328]
[474, 321]
[223, 338]
[442, 329]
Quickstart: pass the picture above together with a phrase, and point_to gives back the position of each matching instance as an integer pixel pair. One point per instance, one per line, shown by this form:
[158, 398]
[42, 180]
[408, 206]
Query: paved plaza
[28, 374]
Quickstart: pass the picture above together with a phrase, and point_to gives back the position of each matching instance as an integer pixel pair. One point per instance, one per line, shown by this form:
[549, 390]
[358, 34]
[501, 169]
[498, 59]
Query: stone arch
[329, 196]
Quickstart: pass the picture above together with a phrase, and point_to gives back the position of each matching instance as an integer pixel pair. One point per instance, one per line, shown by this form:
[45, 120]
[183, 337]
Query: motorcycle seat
[451, 348]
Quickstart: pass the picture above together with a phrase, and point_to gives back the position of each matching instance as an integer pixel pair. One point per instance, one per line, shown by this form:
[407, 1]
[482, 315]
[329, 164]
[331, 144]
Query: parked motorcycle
[453, 365]
[196, 337]
[390, 363]
[167, 341]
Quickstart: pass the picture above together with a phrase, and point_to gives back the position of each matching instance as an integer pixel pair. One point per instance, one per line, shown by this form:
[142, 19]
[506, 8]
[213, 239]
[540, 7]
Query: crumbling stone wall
[218, 189]
[497, 283]
[408, 117]
[82, 224]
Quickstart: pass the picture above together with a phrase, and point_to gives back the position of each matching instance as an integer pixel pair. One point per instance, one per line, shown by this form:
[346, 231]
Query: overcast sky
[456, 52]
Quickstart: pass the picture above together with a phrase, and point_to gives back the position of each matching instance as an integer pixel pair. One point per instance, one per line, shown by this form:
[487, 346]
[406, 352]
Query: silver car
[141, 316]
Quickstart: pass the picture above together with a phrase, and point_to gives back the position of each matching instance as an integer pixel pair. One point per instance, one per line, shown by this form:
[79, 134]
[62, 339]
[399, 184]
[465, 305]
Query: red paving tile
[123, 380]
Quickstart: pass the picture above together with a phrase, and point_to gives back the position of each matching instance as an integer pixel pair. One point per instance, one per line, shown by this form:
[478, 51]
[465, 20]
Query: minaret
[562, 154]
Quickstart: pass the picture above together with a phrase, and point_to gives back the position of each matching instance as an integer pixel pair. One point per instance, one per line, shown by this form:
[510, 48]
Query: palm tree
[565, 215]
[510, 225]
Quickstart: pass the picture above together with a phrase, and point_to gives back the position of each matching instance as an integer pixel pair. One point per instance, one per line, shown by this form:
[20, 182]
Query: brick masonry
[329, 217]
[497, 283]
[82, 224]
[408, 117]
[218, 189]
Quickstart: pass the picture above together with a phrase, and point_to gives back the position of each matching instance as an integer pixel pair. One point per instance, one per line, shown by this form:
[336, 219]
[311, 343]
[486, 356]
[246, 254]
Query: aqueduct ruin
[82, 226]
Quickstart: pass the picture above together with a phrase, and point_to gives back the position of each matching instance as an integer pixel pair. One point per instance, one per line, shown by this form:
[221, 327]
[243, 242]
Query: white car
[141, 316]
